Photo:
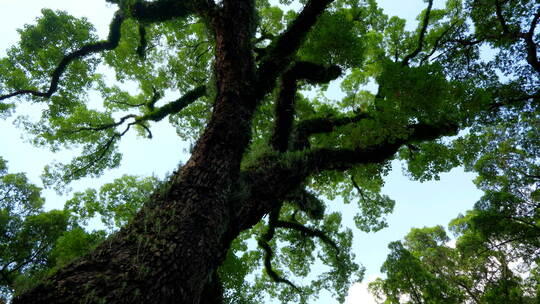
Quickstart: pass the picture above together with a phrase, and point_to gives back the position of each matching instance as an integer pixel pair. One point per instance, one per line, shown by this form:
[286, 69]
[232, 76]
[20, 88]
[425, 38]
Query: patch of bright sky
[417, 204]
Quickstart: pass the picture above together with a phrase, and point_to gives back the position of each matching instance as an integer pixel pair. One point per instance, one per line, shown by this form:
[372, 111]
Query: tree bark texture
[170, 252]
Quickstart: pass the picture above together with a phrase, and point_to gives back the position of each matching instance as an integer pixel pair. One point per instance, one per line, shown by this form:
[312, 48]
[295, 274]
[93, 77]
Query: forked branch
[156, 114]
[275, 177]
[279, 53]
[284, 110]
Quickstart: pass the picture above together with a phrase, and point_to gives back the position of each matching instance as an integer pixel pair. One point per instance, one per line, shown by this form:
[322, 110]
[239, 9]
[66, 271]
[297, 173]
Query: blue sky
[417, 204]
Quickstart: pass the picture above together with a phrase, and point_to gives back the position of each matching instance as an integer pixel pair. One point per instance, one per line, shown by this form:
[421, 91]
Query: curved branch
[173, 107]
[109, 44]
[284, 109]
[278, 54]
[423, 30]
[146, 129]
[105, 126]
[532, 48]
[268, 252]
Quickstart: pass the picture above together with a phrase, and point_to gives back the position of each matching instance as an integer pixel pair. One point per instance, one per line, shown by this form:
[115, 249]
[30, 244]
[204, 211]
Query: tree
[261, 146]
[480, 269]
[33, 242]
[497, 251]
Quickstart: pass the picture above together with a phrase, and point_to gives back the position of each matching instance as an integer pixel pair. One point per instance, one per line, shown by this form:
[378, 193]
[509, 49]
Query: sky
[417, 204]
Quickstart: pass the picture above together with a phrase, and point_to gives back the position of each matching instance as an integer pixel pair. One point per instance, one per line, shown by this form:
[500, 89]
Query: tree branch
[284, 110]
[423, 30]
[268, 252]
[437, 42]
[175, 106]
[157, 114]
[500, 17]
[143, 43]
[308, 127]
[273, 177]
[105, 126]
[532, 48]
[312, 232]
[109, 44]
[278, 54]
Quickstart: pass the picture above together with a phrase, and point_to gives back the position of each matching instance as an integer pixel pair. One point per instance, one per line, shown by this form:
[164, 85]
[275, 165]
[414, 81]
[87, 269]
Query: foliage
[439, 102]
[496, 256]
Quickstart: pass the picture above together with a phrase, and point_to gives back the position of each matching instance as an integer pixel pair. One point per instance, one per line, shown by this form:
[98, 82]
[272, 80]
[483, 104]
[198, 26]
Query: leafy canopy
[430, 82]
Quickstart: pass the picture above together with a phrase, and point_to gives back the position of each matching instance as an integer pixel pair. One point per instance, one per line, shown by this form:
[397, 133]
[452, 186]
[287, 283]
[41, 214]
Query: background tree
[497, 249]
[33, 242]
[261, 146]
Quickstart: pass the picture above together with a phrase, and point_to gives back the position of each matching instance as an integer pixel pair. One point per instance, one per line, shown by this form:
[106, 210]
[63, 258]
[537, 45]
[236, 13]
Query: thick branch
[532, 48]
[110, 44]
[286, 100]
[500, 17]
[143, 43]
[279, 53]
[308, 127]
[423, 30]
[276, 176]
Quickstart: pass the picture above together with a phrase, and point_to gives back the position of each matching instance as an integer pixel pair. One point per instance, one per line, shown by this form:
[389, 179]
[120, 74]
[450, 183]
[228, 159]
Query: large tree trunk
[171, 251]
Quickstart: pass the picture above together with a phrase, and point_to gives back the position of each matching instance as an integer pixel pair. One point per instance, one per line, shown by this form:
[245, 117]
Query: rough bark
[171, 250]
